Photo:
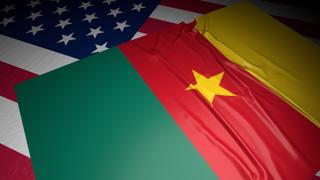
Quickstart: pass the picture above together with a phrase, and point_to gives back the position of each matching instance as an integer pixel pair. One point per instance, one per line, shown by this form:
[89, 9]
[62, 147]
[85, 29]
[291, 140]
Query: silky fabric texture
[279, 57]
[252, 135]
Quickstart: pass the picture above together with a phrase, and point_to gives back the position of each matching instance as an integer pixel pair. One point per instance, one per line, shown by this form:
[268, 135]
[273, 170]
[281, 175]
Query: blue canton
[74, 28]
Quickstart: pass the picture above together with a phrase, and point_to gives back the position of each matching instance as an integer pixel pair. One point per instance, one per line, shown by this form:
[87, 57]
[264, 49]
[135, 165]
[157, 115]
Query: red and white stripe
[20, 60]
[172, 11]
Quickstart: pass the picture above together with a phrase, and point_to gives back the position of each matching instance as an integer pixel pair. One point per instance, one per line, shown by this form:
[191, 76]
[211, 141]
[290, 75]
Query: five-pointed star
[63, 23]
[121, 26]
[138, 7]
[6, 21]
[33, 3]
[95, 32]
[209, 87]
[114, 12]
[33, 15]
[66, 38]
[35, 29]
[108, 1]
[100, 48]
[61, 10]
[85, 5]
[8, 8]
[90, 17]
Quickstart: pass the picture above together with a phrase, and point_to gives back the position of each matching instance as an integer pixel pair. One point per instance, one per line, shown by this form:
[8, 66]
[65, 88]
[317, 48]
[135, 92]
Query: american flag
[39, 36]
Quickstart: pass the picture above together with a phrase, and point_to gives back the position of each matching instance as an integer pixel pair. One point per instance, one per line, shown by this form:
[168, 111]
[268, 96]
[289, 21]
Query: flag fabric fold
[280, 58]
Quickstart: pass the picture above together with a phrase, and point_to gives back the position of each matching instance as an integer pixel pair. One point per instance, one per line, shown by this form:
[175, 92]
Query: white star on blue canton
[90, 17]
[114, 12]
[100, 48]
[108, 1]
[35, 29]
[7, 21]
[95, 32]
[121, 26]
[34, 16]
[61, 10]
[66, 38]
[8, 8]
[34, 3]
[85, 5]
[63, 23]
[138, 7]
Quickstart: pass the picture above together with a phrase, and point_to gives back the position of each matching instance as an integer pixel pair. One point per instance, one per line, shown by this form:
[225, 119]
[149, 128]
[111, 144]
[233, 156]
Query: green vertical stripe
[97, 119]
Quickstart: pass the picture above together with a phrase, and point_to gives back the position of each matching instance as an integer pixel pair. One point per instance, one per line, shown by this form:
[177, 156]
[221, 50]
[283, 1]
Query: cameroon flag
[167, 106]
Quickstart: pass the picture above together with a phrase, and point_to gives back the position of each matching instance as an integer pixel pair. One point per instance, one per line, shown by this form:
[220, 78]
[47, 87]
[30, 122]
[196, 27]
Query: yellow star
[209, 87]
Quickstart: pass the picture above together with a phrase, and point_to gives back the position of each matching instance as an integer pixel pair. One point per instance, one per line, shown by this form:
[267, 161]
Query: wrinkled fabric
[280, 58]
[251, 135]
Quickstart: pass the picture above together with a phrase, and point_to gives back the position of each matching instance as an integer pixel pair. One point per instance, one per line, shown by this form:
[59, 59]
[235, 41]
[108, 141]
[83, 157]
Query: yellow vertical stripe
[283, 60]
